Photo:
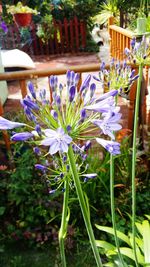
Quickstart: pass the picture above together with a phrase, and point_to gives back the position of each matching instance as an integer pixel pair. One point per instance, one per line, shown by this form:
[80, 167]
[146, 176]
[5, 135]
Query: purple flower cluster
[140, 51]
[58, 126]
[119, 77]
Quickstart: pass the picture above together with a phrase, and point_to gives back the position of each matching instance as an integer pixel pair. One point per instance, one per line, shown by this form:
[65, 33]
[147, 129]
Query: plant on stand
[22, 14]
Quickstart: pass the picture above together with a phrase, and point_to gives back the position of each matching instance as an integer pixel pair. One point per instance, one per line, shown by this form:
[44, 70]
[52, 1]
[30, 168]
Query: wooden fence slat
[76, 33]
[66, 34]
[83, 34]
[34, 40]
[71, 37]
[55, 37]
[60, 27]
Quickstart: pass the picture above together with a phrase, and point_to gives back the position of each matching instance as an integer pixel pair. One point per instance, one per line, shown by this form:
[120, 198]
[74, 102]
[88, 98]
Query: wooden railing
[68, 36]
[119, 40]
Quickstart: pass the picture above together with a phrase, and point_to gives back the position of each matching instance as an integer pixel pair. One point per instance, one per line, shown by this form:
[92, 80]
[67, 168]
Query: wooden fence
[69, 37]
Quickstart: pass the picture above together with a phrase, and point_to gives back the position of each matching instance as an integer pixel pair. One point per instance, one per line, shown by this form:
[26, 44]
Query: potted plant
[22, 14]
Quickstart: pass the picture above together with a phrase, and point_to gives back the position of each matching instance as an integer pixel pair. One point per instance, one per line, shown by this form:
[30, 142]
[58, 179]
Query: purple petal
[41, 167]
[72, 92]
[22, 136]
[85, 83]
[29, 103]
[90, 175]
[107, 95]
[8, 125]
[31, 89]
[111, 146]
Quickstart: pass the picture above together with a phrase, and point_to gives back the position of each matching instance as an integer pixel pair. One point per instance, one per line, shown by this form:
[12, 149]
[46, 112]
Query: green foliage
[26, 207]
[142, 244]
[46, 29]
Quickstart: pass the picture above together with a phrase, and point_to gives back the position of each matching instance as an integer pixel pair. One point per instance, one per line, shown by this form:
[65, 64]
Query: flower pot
[23, 19]
[141, 25]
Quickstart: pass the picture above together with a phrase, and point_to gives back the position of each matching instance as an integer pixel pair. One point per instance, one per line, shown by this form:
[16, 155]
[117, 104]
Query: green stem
[63, 227]
[136, 114]
[83, 206]
[113, 208]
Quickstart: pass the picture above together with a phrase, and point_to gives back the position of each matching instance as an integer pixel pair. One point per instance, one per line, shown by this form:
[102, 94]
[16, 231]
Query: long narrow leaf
[110, 230]
[104, 244]
[146, 239]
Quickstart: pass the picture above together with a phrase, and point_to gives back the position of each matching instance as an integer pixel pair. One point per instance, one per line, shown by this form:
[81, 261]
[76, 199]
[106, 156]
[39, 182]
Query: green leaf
[2, 210]
[110, 230]
[105, 245]
[146, 239]
[128, 252]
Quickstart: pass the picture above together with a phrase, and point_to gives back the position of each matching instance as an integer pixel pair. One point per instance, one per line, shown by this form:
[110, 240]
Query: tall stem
[63, 227]
[113, 208]
[83, 206]
[136, 114]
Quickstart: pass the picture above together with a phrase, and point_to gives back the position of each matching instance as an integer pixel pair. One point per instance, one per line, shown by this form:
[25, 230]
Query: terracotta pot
[23, 19]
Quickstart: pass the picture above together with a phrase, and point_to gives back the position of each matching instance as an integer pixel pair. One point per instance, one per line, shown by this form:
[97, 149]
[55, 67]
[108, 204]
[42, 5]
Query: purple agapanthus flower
[8, 125]
[109, 124]
[22, 136]
[31, 89]
[57, 140]
[41, 167]
[30, 104]
[89, 176]
[105, 105]
[111, 146]
[3, 26]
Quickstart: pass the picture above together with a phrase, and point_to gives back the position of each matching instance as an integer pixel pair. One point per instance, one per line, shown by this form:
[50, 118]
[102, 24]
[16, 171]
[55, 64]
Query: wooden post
[23, 88]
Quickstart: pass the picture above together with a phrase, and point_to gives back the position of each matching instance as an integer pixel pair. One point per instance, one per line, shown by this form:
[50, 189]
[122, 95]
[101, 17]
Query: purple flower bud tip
[54, 114]
[64, 158]
[61, 175]
[37, 150]
[87, 145]
[22, 136]
[29, 103]
[83, 114]
[52, 191]
[58, 100]
[38, 129]
[41, 167]
[67, 167]
[72, 92]
[68, 128]
[31, 89]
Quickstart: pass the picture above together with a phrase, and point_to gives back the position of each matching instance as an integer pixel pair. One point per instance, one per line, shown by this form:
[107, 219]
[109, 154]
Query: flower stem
[113, 209]
[83, 206]
[63, 227]
[136, 114]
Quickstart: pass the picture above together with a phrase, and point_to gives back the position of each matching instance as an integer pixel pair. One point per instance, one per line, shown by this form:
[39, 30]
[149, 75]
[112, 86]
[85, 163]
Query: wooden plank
[66, 35]
[34, 40]
[71, 36]
[60, 27]
[55, 37]
[76, 33]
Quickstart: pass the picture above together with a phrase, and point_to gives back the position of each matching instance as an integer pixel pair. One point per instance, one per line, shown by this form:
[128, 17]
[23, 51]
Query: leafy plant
[46, 29]
[126, 249]
[20, 8]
